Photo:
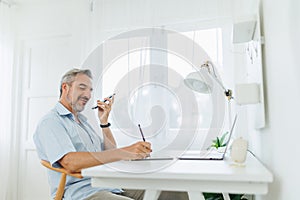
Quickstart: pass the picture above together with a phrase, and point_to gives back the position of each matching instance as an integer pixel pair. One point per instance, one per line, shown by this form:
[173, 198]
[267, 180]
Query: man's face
[79, 92]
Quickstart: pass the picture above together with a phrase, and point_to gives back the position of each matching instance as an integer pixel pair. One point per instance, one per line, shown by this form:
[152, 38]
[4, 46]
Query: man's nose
[88, 94]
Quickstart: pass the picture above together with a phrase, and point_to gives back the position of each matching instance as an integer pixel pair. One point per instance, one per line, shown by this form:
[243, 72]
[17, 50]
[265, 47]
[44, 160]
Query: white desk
[188, 175]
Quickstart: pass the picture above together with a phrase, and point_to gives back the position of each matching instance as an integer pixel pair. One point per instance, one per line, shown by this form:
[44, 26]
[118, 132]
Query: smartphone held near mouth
[111, 96]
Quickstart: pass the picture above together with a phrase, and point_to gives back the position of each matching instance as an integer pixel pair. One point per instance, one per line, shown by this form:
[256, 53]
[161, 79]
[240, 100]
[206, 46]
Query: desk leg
[151, 194]
[196, 195]
[226, 196]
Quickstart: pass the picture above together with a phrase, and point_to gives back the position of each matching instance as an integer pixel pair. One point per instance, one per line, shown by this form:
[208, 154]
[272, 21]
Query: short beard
[75, 107]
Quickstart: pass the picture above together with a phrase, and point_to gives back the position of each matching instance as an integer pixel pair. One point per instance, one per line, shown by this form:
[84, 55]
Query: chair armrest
[61, 170]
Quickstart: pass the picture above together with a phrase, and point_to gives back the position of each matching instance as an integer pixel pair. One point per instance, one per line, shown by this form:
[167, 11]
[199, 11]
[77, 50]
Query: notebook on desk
[212, 153]
[156, 158]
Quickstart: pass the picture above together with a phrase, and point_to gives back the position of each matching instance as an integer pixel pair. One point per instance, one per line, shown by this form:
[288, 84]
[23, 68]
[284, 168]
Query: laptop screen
[230, 134]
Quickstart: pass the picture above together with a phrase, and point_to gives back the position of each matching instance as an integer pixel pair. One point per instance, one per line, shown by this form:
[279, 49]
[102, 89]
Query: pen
[141, 132]
[105, 100]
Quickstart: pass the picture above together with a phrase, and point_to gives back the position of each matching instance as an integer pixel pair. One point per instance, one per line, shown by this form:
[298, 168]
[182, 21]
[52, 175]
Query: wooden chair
[61, 187]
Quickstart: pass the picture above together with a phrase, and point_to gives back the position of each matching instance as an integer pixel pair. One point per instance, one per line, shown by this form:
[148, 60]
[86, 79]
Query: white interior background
[42, 39]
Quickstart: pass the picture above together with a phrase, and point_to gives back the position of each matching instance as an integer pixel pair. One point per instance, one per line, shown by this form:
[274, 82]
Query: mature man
[65, 139]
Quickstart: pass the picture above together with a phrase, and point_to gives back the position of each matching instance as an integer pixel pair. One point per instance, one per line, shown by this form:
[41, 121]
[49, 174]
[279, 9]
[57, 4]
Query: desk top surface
[253, 170]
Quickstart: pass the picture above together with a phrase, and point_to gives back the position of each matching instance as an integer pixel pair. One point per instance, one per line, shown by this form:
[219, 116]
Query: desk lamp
[197, 83]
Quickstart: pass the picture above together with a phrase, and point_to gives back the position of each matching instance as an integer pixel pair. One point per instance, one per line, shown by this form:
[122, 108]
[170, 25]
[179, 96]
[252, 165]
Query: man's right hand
[135, 151]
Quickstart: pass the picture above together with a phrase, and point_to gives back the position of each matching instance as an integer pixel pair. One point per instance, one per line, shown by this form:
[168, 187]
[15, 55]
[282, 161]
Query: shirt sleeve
[53, 140]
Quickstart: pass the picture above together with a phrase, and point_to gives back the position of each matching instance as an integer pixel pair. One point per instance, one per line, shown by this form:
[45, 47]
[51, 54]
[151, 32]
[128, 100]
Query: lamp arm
[228, 92]
[208, 65]
[219, 82]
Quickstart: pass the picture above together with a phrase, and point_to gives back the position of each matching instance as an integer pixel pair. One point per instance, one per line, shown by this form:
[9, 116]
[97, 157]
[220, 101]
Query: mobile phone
[111, 96]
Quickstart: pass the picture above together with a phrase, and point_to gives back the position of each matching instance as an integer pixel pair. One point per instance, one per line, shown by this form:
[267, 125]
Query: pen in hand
[141, 132]
[104, 100]
[148, 156]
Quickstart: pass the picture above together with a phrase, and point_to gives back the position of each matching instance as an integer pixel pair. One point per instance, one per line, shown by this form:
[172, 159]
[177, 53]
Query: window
[144, 76]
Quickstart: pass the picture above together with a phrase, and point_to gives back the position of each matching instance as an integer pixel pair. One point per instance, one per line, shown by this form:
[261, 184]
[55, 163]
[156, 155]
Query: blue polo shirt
[58, 134]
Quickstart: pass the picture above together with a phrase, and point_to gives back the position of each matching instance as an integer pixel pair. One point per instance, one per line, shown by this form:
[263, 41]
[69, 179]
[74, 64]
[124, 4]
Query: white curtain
[6, 69]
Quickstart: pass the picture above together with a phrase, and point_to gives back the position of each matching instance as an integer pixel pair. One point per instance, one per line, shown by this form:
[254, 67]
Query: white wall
[6, 68]
[277, 144]
[50, 39]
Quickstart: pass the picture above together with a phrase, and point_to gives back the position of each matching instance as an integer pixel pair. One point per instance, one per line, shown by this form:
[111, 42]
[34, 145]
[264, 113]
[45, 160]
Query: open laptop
[212, 153]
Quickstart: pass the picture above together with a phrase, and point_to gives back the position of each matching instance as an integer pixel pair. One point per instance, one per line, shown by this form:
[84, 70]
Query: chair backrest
[61, 187]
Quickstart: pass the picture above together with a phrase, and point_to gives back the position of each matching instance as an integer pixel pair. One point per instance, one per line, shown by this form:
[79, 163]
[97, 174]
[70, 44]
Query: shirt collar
[62, 110]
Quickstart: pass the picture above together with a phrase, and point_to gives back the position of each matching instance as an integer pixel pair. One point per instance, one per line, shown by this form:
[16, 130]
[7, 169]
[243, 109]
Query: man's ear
[65, 87]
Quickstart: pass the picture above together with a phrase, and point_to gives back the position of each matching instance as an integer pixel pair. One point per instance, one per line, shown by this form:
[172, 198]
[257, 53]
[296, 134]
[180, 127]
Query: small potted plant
[219, 143]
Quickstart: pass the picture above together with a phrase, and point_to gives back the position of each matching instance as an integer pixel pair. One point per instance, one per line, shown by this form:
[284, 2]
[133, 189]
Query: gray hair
[70, 76]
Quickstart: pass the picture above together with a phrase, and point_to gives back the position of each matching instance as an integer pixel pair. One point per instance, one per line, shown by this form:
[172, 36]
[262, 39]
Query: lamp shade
[197, 83]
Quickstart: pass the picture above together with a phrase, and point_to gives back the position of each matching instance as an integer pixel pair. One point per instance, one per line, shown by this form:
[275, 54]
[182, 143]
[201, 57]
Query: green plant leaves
[219, 142]
[222, 144]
